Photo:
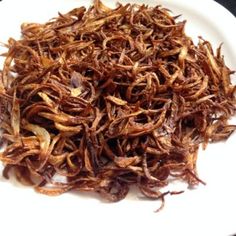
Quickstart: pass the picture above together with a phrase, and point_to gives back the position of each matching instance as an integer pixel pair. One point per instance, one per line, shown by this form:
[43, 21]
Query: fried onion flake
[109, 98]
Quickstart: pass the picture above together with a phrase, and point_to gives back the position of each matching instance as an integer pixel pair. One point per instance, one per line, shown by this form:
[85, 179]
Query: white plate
[208, 210]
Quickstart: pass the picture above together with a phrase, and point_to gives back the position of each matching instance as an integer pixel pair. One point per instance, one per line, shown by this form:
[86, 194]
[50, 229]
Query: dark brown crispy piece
[109, 98]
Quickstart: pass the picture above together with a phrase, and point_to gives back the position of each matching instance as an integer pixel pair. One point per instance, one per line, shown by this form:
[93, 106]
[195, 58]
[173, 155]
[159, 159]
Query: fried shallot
[109, 98]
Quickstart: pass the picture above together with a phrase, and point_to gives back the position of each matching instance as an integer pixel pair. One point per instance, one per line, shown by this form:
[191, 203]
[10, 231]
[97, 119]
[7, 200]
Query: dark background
[229, 4]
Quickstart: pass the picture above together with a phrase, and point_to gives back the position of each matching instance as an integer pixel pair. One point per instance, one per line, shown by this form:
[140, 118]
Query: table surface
[229, 4]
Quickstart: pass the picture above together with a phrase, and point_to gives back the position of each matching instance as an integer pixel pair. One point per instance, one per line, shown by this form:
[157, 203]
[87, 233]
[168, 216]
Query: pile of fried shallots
[108, 98]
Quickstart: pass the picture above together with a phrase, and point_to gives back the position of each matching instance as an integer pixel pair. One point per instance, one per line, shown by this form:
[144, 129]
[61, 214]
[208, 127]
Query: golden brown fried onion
[109, 98]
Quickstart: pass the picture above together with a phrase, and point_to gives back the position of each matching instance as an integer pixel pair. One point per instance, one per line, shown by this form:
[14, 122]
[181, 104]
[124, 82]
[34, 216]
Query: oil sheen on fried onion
[110, 98]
